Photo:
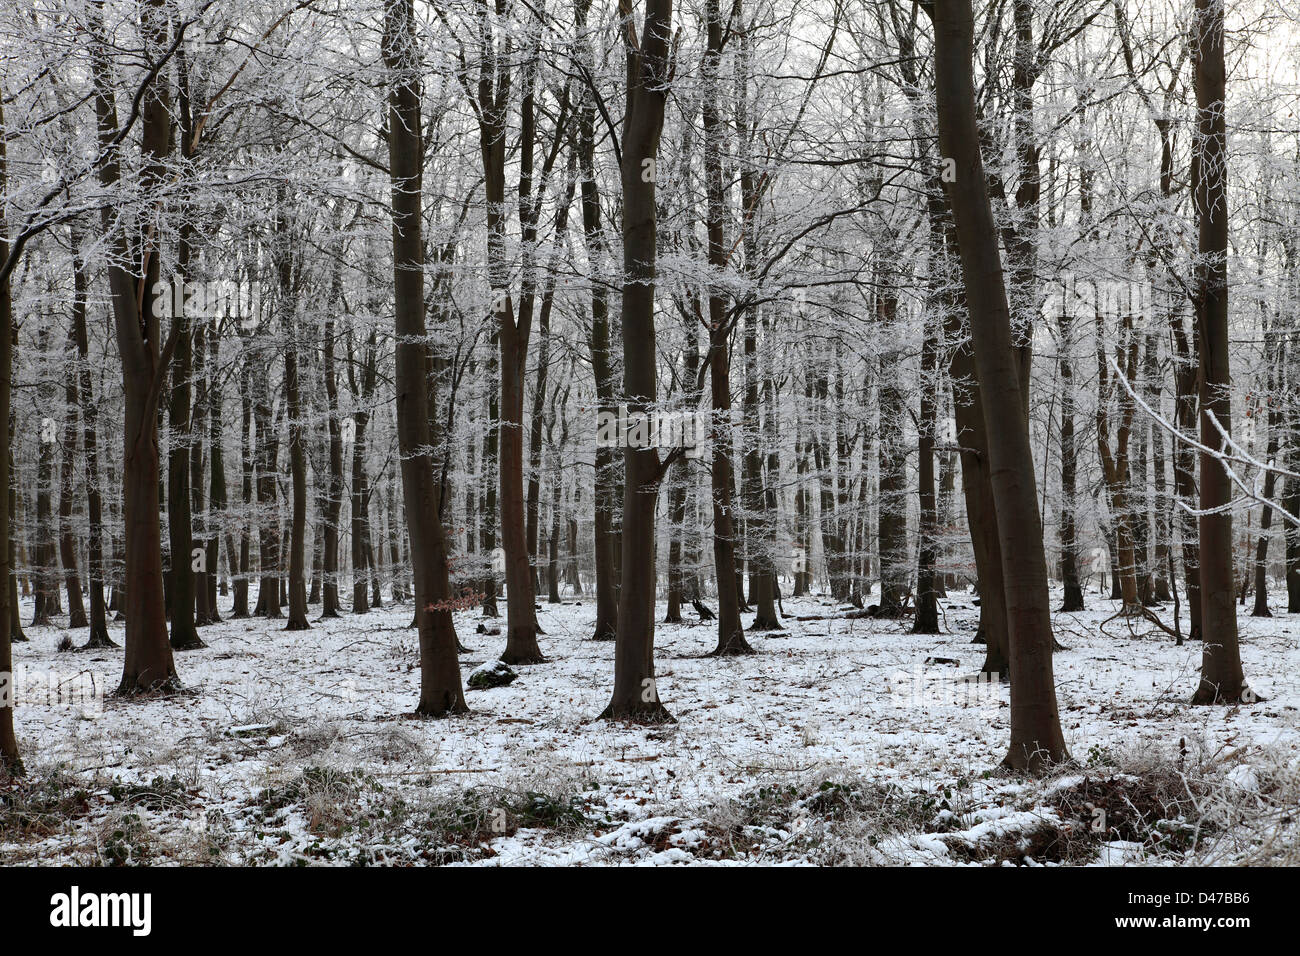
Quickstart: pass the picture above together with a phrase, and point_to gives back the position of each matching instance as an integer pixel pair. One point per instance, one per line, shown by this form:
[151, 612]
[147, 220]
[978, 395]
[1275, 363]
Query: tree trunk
[636, 695]
[67, 535]
[1291, 502]
[731, 635]
[266, 453]
[90, 442]
[217, 503]
[927, 605]
[363, 386]
[891, 516]
[148, 664]
[606, 480]
[1036, 739]
[184, 636]
[441, 692]
[335, 492]
[43, 550]
[1221, 676]
[1272, 356]
[1069, 468]
[297, 438]
[10, 761]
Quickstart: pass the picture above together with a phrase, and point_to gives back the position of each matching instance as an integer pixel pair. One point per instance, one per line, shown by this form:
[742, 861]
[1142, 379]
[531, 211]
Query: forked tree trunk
[512, 336]
[363, 386]
[148, 664]
[1115, 462]
[977, 489]
[636, 695]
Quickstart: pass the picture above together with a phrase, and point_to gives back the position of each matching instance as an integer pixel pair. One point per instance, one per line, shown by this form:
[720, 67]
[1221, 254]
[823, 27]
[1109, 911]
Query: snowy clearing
[836, 742]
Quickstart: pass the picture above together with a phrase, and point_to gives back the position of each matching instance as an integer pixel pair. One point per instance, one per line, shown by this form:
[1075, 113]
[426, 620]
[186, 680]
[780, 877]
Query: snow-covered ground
[839, 741]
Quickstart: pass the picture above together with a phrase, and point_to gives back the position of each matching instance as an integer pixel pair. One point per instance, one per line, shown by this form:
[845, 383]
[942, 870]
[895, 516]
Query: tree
[10, 761]
[148, 665]
[90, 441]
[1221, 675]
[606, 497]
[1036, 738]
[731, 634]
[440, 687]
[297, 429]
[636, 695]
[181, 574]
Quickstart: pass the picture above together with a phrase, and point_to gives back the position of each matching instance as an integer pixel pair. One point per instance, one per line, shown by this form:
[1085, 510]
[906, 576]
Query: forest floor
[840, 741]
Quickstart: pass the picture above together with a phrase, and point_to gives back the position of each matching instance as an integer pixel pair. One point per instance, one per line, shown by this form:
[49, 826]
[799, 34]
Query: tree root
[1132, 611]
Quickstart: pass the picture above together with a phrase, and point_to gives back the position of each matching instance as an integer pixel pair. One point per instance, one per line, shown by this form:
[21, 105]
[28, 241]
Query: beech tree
[148, 663]
[10, 761]
[1221, 676]
[1036, 739]
[636, 695]
[440, 686]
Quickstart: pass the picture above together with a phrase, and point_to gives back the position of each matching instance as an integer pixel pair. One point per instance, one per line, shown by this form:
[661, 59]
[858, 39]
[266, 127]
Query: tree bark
[636, 695]
[1036, 738]
[10, 760]
[1221, 675]
[67, 534]
[607, 471]
[148, 664]
[90, 443]
[335, 489]
[731, 634]
[1073, 600]
[441, 692]
[297, 620]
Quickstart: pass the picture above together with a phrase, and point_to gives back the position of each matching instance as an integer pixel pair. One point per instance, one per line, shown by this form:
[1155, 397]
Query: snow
[830, 699]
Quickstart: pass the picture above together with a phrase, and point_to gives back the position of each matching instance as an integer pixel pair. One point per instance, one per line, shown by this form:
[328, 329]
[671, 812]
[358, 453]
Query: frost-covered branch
[1238, 456]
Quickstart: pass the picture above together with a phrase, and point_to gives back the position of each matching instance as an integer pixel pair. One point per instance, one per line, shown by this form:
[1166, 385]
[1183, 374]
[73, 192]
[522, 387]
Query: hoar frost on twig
[1234, 455]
